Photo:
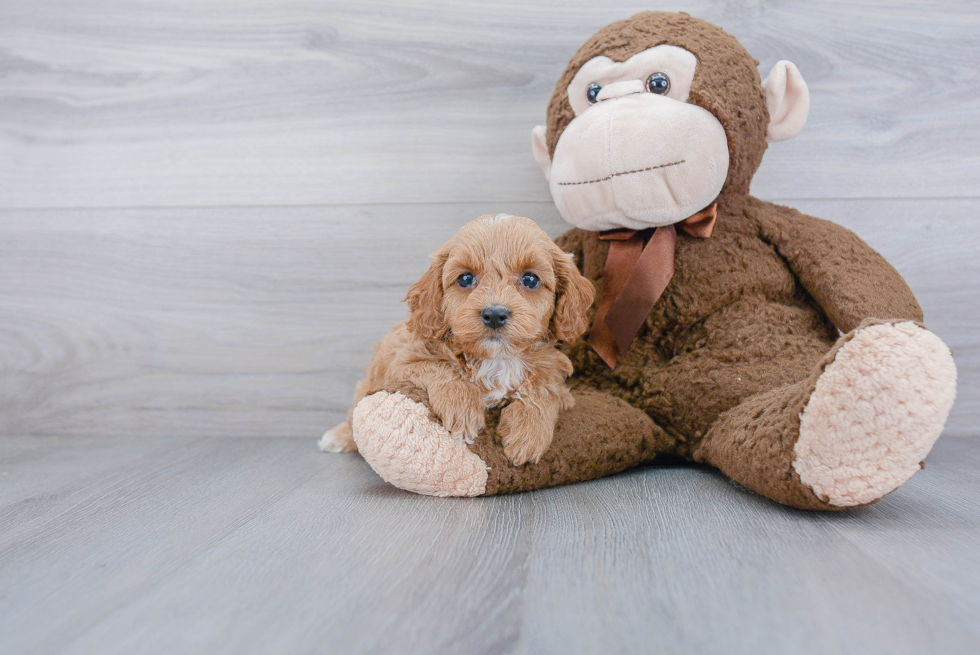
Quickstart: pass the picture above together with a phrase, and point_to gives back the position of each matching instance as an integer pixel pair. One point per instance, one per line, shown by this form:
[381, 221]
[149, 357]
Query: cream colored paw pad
[875, 413]
[396, 437]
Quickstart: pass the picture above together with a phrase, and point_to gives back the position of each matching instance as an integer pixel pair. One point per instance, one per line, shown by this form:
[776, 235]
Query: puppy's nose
[494, 316]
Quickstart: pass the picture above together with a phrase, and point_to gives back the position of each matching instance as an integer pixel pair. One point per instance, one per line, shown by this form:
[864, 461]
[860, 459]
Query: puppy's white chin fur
[495, 347]
[504, 372]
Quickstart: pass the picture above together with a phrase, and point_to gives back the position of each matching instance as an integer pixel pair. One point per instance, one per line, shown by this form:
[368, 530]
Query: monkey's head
[657, 116]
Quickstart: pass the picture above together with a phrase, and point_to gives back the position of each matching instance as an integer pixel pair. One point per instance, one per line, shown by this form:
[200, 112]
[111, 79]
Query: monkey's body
[751, 328]
[752, 335]
[784, 350]
[736, 320]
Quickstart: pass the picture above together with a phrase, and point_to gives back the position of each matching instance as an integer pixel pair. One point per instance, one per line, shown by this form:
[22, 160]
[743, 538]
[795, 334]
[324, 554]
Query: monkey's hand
[459, 405]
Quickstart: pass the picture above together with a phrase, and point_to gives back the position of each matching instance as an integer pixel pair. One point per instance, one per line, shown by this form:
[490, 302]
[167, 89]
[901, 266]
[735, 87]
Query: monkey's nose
[494, 316]
[620, 89]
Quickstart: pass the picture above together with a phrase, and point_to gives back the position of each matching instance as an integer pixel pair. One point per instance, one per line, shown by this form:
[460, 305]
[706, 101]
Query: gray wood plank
[80, 553]
[257, 321]
[36, 472]
[112, 104]
[352, 568]
[263, 545]
[233, 321]
[944, 505]
[753, 577]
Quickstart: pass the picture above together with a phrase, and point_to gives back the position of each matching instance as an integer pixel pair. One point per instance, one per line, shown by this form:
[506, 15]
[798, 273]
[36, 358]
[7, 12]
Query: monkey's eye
[593, 93]
[466, 280]
[658, 83]
[530, 280]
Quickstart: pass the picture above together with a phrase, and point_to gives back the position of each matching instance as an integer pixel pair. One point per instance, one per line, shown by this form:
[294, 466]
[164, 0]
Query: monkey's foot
[404, 447]
[875, 413]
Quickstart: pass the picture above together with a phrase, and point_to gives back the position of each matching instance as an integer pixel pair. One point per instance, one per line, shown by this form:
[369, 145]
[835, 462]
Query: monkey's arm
[848, 278]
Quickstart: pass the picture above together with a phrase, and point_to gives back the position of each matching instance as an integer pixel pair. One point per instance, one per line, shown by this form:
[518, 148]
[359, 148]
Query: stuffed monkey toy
[777, 347]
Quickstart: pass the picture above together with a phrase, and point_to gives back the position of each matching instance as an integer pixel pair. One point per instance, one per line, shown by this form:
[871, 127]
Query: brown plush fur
[729, 355]
[446, 351]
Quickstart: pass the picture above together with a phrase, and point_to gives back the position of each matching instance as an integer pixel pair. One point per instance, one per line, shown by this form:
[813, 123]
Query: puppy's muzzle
[494, 316]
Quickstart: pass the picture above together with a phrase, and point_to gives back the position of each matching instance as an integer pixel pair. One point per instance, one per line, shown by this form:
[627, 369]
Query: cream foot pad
[875, 413]
[396, 437]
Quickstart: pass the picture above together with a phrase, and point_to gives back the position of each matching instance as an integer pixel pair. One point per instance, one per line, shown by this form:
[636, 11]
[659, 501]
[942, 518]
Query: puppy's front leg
[459, 404]
[527, 425]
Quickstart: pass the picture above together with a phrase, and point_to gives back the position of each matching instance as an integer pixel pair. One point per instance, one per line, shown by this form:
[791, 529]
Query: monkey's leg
[854, 430]
[601, 435]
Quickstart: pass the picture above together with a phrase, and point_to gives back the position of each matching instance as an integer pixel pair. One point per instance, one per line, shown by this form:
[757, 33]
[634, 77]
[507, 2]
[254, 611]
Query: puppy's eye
[593, 92]
[658, 83]
[530, 280]
[466, 280]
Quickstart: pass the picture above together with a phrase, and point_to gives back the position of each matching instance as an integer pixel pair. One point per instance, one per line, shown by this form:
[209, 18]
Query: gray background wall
[210, 210]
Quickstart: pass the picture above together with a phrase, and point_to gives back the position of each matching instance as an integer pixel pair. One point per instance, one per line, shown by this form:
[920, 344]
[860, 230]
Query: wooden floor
[183, 545]
[209, 213]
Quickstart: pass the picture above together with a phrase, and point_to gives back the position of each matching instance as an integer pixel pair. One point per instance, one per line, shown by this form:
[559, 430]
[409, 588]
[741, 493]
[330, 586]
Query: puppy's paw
[525, 433]
[339, 439]
[459, 405]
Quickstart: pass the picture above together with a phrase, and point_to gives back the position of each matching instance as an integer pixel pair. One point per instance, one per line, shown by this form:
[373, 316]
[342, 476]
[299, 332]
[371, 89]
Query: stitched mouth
[609, 177]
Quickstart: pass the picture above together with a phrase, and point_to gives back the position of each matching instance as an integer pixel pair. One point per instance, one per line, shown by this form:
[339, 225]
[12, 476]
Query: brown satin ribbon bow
[635, 278]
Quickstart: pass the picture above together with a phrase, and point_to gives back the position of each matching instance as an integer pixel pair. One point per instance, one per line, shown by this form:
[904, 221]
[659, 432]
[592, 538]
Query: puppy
[482, 326]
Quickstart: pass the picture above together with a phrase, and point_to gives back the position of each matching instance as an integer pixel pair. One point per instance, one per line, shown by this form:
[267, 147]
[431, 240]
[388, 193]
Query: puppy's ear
[574, 296]
[425, 316]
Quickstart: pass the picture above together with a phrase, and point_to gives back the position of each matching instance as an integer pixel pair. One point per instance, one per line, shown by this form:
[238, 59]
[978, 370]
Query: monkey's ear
[787, 99]
[425, 316]
[539, 148]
